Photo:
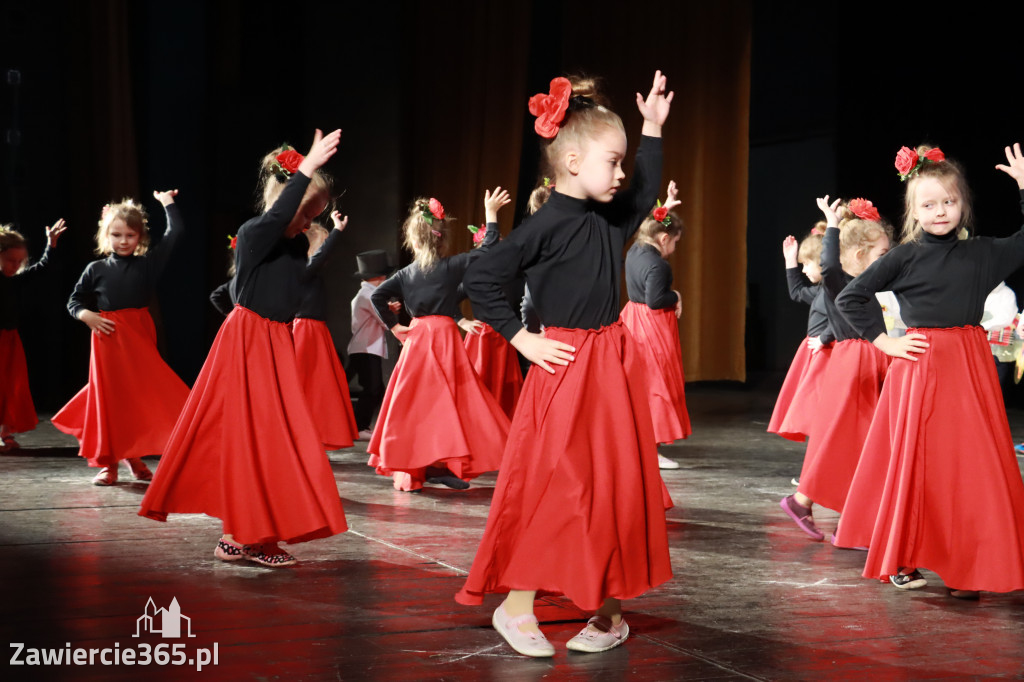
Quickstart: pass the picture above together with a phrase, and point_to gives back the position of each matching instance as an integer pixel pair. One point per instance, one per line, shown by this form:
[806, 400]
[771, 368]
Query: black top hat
[373, 264]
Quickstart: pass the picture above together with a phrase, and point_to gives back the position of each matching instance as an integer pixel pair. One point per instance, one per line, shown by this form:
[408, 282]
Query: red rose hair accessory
[478, 232]
[550, 108]
[431, 209]
[286, 163]
[864, 209]
[909, 162]
[232, 241]
[660, 214]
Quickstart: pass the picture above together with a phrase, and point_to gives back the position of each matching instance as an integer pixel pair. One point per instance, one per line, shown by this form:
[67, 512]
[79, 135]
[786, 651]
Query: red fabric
[656, 333]
[497, 364]
[324, 383]
[846, 403]
[578, 507]
[939, 484]
[133, 398]
[800, 416]
[436, 411]
[17, 411]
[245, 449]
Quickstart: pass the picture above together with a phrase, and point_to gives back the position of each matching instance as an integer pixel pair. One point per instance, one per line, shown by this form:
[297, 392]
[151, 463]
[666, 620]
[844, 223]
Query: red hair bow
[864, 209]
[550, 108]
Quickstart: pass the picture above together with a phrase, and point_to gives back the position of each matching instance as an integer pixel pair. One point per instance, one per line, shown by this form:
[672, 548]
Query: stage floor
[753, 598]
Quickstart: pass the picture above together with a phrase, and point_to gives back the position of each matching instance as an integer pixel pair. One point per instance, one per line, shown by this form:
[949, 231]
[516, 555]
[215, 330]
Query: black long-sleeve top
[435, 292]
[649, 277]
[802, 290]
[314, 300]
[938, 281]
[12, 288]
[269, 267]
[119, 282]
[571, 254]
[833, 281]
[221, 298]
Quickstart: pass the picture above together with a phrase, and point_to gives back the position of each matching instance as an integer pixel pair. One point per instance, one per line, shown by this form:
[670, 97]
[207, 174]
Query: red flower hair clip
[550, 108]
[232, 241]
[864, 209]
[660, 214]
[909, 162]
[431, 209]
[479, 233]
[286, 163]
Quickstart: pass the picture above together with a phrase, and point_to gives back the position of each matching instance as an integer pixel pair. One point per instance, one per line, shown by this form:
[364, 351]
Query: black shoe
[450, 481]
[910, 581]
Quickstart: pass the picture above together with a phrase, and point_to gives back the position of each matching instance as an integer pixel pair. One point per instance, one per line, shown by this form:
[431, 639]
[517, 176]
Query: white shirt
[368, 331]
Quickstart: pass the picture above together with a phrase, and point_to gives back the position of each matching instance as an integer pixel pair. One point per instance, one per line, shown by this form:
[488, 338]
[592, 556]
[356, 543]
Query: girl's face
[812, 271]
[936, 207]
[12, 259]
[313, 204]
[667, 243]
[878, 248]
[123, 239]
[598, 167]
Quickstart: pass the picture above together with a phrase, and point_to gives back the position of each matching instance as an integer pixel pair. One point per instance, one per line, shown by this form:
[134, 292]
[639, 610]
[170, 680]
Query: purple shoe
[802, 516]
[527, 643]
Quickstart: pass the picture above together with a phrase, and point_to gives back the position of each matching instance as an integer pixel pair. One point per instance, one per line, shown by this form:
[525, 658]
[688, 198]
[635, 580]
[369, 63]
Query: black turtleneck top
[938, 281]
[12, 288]
[314, 300]
[833, 281]
[221, 298]
[435, 292]
[802, 290]
[649, 277]
[270, 267]
[120, 282]
[571, 254]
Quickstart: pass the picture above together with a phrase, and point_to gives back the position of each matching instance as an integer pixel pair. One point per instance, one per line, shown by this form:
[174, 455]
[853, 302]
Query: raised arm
[157, 257]
[328, 249]
[1009, 252]
[831, 268]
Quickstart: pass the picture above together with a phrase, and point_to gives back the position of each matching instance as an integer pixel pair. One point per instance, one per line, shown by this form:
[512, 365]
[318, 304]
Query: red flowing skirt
[324, 383]
[129, 407]
[938, 482]
[798, 399]
[846, 403]
[436, 411]
[656, 333]
[17, 411]
[497, 364]
[578, 508]
[245, 448]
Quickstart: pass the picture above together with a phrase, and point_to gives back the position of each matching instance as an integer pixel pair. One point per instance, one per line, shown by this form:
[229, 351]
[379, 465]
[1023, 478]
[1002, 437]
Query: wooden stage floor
[752, 599]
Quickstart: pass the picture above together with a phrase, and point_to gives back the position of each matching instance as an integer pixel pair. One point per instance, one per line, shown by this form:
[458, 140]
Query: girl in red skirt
[651, 315]
[798, 397]
[323, 379]
[853, 377]
[111, 298]
[17, 411]
[438, 422]
[578, 507]
[938, 485]
[493, 359]
[245, 448]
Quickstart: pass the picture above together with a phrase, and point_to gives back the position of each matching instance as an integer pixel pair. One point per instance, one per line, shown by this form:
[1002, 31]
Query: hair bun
[589, 89]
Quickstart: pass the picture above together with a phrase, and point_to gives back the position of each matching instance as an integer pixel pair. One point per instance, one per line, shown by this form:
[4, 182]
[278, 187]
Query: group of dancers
[579, 505]
[907, 435]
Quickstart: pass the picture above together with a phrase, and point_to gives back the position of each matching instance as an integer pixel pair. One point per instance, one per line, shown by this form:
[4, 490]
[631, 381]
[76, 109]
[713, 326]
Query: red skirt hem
[17, 411]
[324, 383]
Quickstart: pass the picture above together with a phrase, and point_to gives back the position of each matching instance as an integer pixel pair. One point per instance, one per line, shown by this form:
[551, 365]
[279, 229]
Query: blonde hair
[12, 239]
[810, 249]
[539, 196]
[857, 236]
[134, 216]
[651, 228]
[587, 114]
[271, 184]
[428, 240]
[951, 175]
[321, 234]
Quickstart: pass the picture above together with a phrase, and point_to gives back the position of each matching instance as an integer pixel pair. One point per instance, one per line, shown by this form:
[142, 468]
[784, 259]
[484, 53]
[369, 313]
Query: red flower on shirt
[550, 108]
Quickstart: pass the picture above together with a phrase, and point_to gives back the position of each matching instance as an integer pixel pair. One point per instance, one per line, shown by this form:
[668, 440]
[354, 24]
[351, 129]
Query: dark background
[836, 89]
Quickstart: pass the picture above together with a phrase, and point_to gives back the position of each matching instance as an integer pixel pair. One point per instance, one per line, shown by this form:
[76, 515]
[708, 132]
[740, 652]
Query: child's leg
[518, 603]
[612, 608]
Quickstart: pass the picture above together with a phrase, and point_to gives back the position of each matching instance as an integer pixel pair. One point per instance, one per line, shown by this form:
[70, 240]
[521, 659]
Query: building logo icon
[166, 622]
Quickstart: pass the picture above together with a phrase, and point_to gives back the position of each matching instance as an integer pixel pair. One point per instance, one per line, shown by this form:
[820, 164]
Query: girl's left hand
[655, 108]
[829, 210]
[165, 198]
[339, 222]
[493, 201]
[672, 196]
[401, 332]
[471, 326]
[54, 232]
[815, 344]
[679, 304]
[1015, 169]
[395, 306]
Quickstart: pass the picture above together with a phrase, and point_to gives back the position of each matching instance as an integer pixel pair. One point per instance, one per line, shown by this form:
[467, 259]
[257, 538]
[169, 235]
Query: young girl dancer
[245, 448]
[651, 316]
[578, 507]
[938, 484]
[323, 380]
[798, 397]
[438, 421]
[17, 411]
[493, 359]
[853, 379]
[127, 376]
